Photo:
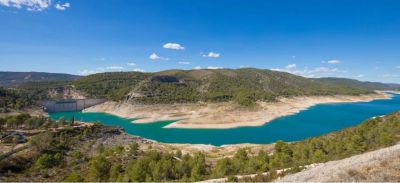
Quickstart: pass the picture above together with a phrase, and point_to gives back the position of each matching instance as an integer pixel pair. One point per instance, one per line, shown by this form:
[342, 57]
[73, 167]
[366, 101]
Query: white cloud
[324, 70]
[131, 64]
[212, 55]
[332, 62]
[291, 66]
[359, 76]
[174, 46]
[86, 72]
[306, 72]
[138, 70]
[209, 67]
[101, 69]
[213, 67]
[184, 63]
[156, 57]
[62, 7]
[115, 68]
[30, 5]
[390, 76]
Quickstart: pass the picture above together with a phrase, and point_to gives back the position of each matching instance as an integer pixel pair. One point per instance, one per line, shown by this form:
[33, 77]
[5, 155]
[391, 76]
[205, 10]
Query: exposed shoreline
[224, 115]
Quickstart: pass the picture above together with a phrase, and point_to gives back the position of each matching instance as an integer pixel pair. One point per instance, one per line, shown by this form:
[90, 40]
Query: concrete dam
[69, 105]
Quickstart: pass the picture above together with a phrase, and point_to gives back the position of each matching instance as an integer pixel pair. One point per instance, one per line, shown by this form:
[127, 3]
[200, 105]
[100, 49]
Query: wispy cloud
[209, 67]
[398, 67]
[358, 76]
[30, 5]
[212, 55]
[213, 67]
[115, 68]
[291, 66]
[324, 70]
[307, 72]
[332, 62]
[138, 70]
[62, 7]
[174, 46]
[102, 69]
[184, 63]
[154, 56]
[131, 64]
[86, 72]
[390, 76]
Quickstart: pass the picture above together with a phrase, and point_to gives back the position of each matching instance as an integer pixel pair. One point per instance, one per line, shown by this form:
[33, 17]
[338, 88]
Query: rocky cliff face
[66, 93]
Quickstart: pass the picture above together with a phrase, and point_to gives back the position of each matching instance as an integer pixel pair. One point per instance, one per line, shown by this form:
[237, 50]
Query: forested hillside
[109, 85]
[13, 79]
[27, 94]
[244, 86]
[11, 99]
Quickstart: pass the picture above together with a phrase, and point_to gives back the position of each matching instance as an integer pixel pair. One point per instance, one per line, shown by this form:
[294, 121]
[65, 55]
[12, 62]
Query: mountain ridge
[13, 79]
[244, 86]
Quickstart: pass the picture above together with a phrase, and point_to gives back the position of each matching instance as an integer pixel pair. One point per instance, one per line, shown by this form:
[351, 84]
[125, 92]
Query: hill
[357, 84]
[13, 79]
[394, 86]
[244, 86]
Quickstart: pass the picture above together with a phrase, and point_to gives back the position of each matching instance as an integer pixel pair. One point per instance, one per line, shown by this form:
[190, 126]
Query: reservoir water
[315, 121]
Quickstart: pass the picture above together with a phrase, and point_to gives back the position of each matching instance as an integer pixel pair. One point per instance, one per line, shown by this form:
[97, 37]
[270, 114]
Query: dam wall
[69, 105]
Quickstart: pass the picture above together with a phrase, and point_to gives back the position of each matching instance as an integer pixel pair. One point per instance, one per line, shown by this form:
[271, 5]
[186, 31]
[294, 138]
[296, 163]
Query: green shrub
[48, 160]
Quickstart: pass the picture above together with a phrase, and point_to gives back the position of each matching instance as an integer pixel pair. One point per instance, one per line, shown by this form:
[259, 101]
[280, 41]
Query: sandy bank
[223, 115]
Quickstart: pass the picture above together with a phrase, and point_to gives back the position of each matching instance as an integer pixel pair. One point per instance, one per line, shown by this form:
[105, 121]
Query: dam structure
[69, 105]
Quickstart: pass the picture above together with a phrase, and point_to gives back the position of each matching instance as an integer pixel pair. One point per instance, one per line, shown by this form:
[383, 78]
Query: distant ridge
[358, 84]
[244, 86]
[13, 79]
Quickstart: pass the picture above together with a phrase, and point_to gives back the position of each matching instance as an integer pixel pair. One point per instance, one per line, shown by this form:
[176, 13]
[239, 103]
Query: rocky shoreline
[223, 115]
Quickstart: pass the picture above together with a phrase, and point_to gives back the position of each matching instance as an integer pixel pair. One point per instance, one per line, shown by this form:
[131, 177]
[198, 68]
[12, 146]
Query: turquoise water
[315, 121]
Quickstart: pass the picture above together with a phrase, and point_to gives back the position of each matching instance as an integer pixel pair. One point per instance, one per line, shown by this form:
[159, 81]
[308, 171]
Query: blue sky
[312, 38]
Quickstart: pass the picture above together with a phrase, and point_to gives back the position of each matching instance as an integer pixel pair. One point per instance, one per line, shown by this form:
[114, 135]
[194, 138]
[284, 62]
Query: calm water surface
[317, 120]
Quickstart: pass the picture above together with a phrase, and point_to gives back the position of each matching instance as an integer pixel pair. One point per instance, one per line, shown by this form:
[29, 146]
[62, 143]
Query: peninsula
[225, 114]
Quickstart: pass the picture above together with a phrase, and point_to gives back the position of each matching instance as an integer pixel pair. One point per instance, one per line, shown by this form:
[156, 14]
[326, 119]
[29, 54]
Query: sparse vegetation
[131, 163]
[26, 121]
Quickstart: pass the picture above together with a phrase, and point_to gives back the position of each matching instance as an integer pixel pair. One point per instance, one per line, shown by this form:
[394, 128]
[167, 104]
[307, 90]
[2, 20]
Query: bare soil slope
[382, 165]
